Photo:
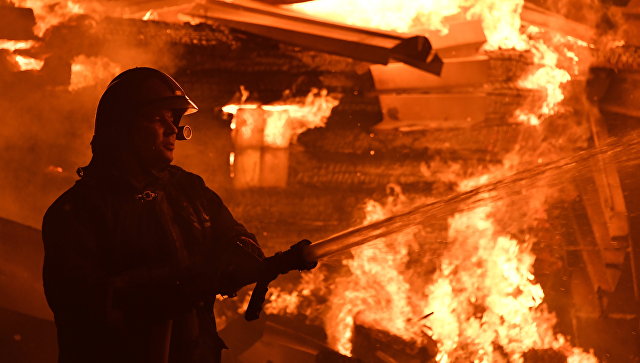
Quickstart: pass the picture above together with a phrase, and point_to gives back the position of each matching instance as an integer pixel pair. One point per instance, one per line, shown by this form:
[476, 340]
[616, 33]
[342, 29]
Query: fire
[24, 63]
[549, 76]
[150, 15]
[47, 14]
[376, 293]
[502, 26]
[495, 297]
[485, 300]
[282, 121]
[500, 18]
[12, 45]
[399, 16]
[28, 63]
[88, 71]
[50, 13]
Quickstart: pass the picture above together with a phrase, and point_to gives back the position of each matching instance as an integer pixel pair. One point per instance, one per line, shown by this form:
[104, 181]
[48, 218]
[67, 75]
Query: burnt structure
[368, 143]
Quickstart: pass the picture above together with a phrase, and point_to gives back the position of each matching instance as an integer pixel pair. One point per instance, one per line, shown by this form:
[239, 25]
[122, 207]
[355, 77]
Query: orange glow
[486, 303]
[399, 16]
[547, 75]
[502, 26]
[24, 63]
[12, 45]
[286, 119]
[88, 71]
[485, 269]
[150, 15]
[500, 18]
[28, 63]
[49, 13]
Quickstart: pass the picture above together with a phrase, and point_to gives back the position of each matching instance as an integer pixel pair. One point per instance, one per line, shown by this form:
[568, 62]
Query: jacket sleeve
[239, 251]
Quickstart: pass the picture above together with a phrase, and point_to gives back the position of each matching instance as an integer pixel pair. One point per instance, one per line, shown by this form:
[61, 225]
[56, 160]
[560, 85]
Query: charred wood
[378, 346]
[484, 142]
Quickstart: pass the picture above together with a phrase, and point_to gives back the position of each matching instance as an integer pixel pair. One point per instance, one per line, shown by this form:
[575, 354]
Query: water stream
[621, 152]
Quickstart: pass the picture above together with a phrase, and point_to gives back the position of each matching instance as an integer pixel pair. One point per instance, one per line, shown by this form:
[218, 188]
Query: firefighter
[137, 249]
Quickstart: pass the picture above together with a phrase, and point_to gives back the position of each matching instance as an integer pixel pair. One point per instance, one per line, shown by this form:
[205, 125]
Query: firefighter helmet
[134, 89]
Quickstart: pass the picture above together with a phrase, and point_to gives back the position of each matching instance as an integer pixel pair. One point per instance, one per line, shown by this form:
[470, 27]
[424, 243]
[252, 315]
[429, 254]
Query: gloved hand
[289, 260]
[280, 263]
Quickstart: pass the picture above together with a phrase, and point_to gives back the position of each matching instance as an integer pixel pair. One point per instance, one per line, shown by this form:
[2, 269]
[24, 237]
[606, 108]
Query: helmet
[146, 86]
[136, 88]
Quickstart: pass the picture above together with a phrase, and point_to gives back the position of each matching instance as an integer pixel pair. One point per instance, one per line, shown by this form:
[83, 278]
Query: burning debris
[516, 92]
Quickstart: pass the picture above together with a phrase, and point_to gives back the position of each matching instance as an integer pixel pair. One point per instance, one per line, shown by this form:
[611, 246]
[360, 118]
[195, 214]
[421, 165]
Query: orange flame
[500, 18]
[501, 24]
[286, 119]
[12, 45]
[28, 63]
[24, 63]
[49, 13]
[484, 293]
[88, 71]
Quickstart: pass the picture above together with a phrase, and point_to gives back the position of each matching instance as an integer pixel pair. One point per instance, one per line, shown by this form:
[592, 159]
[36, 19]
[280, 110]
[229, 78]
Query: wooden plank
[463, 39]
[425, 111]
[610, 256]
[456, 72]
[371, 45]
[594, 263]
[537, 16]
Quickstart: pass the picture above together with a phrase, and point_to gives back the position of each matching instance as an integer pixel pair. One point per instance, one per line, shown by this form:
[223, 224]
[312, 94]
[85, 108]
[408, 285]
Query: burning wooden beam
[537, 16]
[374, 345]
[456, 72]
[444, 110]
[463, 39]
[369, 45]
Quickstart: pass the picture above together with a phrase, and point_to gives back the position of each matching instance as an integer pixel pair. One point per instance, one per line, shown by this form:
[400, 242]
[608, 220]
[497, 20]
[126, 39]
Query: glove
[289, 260]
[278, 264]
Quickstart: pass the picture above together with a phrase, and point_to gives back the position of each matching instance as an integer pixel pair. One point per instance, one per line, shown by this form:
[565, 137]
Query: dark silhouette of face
[154, 137]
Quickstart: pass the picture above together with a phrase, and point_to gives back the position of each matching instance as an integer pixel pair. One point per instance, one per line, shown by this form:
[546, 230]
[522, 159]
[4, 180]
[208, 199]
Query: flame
[50, 13]
[502, 26]
[284, 120]
[548, 75]
[12, 45]
[28, 63]
[401, 16]
[485, 300]
[500, 18]
[24, 63]
[88, 71]
[150, 15]
[492, 272]
[376, 293]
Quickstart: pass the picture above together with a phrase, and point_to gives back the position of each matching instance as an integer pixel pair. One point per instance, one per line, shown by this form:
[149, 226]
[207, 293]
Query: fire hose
[304, 255]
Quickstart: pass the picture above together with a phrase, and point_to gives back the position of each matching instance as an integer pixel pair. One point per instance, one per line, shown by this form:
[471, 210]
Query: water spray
[623, 151]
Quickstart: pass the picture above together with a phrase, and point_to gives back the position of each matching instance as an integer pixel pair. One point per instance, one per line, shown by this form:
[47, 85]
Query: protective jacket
[131, 273]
